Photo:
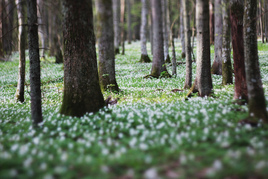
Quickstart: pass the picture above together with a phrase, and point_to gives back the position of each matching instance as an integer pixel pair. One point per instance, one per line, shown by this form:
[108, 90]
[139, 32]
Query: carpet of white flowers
[151, 133]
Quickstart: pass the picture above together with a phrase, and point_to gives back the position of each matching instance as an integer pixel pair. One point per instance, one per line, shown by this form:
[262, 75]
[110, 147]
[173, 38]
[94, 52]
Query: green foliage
[151, 130]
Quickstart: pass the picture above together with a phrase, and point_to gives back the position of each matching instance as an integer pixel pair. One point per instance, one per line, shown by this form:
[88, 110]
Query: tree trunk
[203, 81]
[144, 14]
[158, 66]
[7, 27]
[256, 98]
[43, 25]
[237, 9]
[261, 20]
[182, 36]
[122, 20]
[211, 21]
[22, 19]
[266, 20]
[151, 30]
[165, 32]
[217, 64]
[129, 18]
[35, 82]
[136, 19]
[116, 25]
[106, 45]
[227, 72]
[187, 32]
[82, 93]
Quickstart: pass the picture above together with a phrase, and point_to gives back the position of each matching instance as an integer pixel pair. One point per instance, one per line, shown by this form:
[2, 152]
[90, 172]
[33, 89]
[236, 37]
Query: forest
[133, 89]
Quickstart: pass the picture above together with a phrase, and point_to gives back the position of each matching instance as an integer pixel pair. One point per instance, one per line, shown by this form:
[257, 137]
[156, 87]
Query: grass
[151, 133]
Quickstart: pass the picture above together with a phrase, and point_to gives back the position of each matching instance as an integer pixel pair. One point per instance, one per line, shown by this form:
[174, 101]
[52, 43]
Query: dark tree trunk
[22, 19]
[35, 81]
[116, 25]
[144, 14]
[237, 10]
[256, 98]
[7, 26]
[106, 45]
[55, 32]
[187, 32]
[211, 22]
[136, 20]
[82, 93]
[227, 72]
[217, 64]
[203, 81]
[158, 67]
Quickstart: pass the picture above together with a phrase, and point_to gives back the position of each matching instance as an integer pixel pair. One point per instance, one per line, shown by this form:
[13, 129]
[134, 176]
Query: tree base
[145, 59]
[164, 74]
[168, 59]
[116, 51]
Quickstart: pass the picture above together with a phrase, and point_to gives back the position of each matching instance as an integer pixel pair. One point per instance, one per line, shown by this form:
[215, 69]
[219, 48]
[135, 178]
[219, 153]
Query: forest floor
[152, 132]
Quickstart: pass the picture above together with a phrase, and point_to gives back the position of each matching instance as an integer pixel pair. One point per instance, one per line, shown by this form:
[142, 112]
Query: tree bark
[182, 35]
[256, 98]
[237, 9]
[211, 21]
[203, 81]
[227, 72]
[266, 21]
[144, 14]
[35, 81]
[158, 66]
[165, 32]
[116, 25]
[22, 19]
[122, 20]
[187, 32]
[217, 64]
[129, 21]
[82, 93]
[106, 45]
[43, 25]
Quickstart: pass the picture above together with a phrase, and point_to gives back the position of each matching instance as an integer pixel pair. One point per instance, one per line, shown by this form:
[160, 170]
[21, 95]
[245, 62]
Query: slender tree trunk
[227, 72]
[182, 35]
[266, 20]
[217, 64]
[158, 66]
[1, 33]
[82, 93]
[106, 45]
[165, 32]
[144, 14]
[203, 81]
[211, 21]
[187, 32]
[35, 81]
[136, 20]
[43, 25]
[129, 22]
[261, 20]
[22, 19]
[256, 98]
[116, 25]
[122, 20]
[237, 9]
[151, 30]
